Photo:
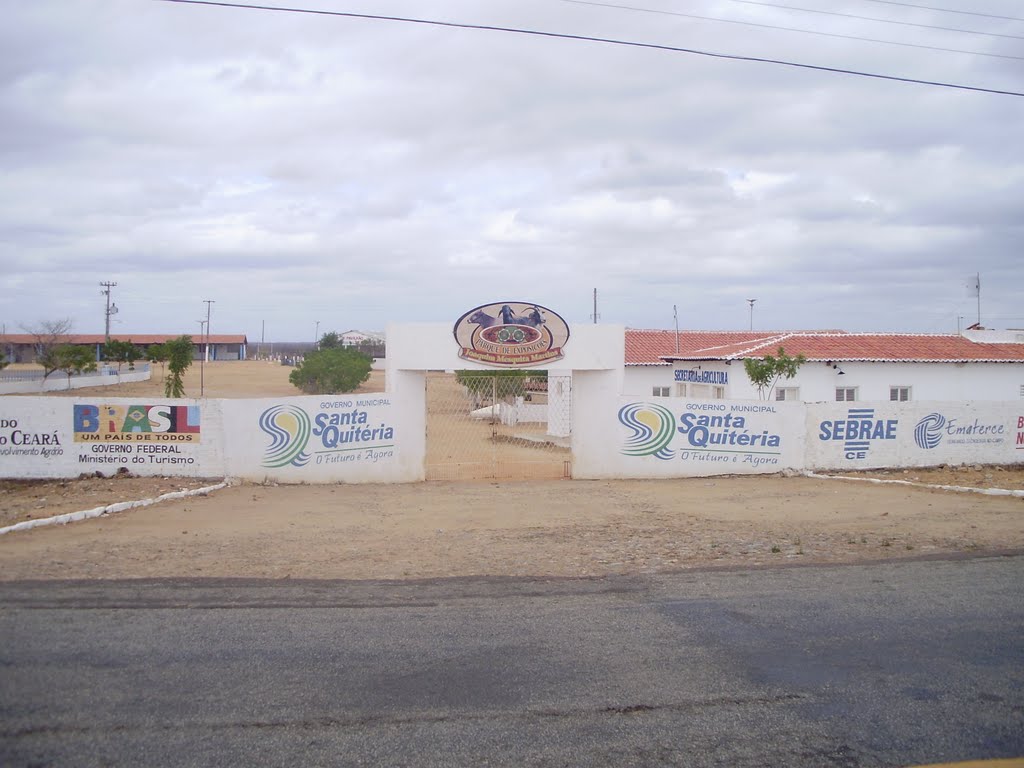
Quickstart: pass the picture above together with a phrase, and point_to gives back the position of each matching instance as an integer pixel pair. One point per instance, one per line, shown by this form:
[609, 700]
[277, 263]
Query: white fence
[28, 382]
[374, 438]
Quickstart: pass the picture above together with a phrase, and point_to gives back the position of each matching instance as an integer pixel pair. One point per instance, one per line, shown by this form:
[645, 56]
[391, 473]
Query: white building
[354, 338]
[840, 366]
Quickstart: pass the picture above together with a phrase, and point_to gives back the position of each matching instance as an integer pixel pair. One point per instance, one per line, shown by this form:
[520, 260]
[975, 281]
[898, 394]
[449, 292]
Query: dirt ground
[501, 528]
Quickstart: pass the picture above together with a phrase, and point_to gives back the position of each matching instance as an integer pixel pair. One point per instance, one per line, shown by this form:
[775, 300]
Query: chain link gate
[501, 427]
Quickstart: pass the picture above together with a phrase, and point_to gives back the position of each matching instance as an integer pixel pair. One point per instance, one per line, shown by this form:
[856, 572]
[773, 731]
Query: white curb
[120, 506]
[957, 488]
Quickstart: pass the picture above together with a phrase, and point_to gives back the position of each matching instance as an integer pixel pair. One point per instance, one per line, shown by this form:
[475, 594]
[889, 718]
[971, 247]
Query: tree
[121, 352]
[157, 353]
[73, 360]
[765, 373]
[179, 358]
[503, 384]
[329, 341]
[330, 371]
[49, 334]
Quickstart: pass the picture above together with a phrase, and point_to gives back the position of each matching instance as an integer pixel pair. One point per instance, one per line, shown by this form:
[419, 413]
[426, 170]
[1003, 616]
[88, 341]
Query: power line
[871, 18]
[789, 29]
[589, 39]
[946, 10]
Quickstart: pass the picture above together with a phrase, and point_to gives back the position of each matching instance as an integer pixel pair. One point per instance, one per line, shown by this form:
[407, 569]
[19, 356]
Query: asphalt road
[880, 665]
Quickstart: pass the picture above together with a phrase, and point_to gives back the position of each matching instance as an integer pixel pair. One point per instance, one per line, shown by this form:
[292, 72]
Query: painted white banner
[64, 437]
[863, 435]
[677, 437]
[322, 439]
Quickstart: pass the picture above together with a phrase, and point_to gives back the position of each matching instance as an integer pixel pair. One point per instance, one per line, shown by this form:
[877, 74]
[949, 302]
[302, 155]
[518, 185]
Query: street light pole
[751, 303]
[208, 302]
[316, 336]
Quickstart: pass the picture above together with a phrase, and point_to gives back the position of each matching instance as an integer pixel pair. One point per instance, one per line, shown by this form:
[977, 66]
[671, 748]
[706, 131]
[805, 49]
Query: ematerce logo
[928, 432]
[289, 429]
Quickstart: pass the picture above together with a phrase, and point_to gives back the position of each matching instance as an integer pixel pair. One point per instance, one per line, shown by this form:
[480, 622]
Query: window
[718, 393]
[681, 390]
[660, 391]
[846, 394]
[899, 394]
[787, 393]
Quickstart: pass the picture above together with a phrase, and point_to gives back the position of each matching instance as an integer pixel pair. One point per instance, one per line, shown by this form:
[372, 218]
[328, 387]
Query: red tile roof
[648, 347]
[873, 347]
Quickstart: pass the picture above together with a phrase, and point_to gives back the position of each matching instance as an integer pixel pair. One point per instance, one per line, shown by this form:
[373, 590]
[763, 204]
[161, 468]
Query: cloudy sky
[301, 169]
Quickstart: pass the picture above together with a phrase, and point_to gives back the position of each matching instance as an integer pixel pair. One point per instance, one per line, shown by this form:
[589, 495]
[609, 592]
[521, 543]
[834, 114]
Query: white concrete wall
[64, 437]
[678, 437]
[866, 435]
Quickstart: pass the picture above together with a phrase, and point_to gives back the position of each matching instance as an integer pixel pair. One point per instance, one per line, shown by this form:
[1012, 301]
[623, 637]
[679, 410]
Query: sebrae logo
[652, 428]
[511, 334]
[857, 431]
[289, 429]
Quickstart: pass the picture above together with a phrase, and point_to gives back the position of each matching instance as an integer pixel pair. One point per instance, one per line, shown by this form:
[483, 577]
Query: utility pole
[316, 336]
[208, 302]
[202, 381]
[751, 303]
[111, 310]
[263, 335]
[595, 316]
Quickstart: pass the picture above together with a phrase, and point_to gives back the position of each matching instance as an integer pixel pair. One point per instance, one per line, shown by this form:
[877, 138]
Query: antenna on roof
[675, 317]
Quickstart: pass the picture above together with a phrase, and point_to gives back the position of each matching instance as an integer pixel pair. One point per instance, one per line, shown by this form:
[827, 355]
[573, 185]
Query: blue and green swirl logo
[652, 428]
[289, 429]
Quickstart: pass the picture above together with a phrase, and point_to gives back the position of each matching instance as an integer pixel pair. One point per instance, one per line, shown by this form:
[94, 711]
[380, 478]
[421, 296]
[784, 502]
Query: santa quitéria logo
[289, 429]
[651, 427]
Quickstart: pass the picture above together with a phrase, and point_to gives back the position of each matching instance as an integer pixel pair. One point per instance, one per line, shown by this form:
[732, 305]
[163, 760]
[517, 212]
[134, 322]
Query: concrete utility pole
[751, 303]
[208, 302]
[316, 336]
[111, 310]
[202, 382]
[595, 316]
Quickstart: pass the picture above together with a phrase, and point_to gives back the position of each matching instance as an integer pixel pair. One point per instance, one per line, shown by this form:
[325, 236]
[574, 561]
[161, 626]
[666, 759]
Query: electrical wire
[871, 18]
[789, 29]
[946, 10]
[589, 39]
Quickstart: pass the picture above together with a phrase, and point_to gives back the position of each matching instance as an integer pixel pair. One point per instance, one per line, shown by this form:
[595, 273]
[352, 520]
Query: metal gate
[505, 426]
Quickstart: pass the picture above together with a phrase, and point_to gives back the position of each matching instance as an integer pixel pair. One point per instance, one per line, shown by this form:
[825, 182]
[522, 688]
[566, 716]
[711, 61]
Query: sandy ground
[529, 528]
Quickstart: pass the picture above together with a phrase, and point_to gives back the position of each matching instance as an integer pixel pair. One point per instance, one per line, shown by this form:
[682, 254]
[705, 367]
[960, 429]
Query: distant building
[356, 338]
[22, 347]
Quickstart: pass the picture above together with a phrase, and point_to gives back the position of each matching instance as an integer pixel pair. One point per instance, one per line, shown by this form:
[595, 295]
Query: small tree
[503, 384]
[330, 371]
[121, 352]
[73, 360]
[179, 358]
[49, 334]
[157, 353]
[766, 372]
